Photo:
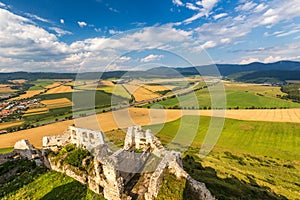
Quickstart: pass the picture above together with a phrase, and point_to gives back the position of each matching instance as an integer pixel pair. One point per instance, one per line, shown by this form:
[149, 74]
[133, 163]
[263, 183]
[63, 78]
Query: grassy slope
[37, 183]
[243, 97]
[248, 155]
[6, 150]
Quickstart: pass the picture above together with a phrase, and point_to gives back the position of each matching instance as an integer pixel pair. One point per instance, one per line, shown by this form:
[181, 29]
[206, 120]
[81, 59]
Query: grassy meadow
[250, 160]
[237, 96]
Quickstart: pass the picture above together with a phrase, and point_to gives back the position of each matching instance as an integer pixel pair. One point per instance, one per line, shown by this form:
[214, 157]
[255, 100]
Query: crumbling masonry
[113, 170]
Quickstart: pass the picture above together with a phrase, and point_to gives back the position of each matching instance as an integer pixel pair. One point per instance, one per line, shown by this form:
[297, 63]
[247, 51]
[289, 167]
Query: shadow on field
[228, 188]
[69, 191]
[16, 174]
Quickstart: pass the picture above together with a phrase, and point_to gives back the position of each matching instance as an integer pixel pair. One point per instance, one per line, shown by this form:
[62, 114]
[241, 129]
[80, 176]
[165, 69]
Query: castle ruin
[111, 171]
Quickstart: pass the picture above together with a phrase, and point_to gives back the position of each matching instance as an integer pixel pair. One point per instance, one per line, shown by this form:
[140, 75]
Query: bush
[75, 157]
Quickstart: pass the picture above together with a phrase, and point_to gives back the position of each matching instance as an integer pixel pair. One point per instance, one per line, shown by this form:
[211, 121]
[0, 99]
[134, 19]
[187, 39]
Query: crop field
[6, 89]
[28, 94]
[237, 96]
[159, 88]
[105, 86]
[53, 85]
[40, 84]
[135, 116]
[36, 111]
[57, 103]
[243, 156]
[6, 125]
[18, 81]
[140, 93]
[60, 89]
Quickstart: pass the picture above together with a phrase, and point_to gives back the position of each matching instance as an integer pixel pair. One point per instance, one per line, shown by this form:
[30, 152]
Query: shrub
[76, 156]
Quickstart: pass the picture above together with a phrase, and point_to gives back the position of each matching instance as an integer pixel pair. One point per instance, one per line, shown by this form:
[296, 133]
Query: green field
[258, 159]
[40, 84]
[6, 150]
[236, 97]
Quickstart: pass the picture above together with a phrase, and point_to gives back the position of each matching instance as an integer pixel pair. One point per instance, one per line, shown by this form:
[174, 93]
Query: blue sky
[98, 35]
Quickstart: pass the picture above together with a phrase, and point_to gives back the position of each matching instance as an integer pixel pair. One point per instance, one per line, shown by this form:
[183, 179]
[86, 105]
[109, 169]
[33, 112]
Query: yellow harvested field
[19, 81]
[28, 94]
[106, 83]
[6, 88]
[141, 116]
[57, 103]
[10, 124]
[34, 110]
[53, 85]
[60, 89]
[140, 93]
[158, 88]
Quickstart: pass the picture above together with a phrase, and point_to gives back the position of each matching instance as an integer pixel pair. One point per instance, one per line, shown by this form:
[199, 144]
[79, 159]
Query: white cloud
[282, 34]
[225, 40]
[177, 2]
[2, 4]
[113, 10]
[280, 11]
[209, 44]
[32, 16]
[97, 29]
[249, 60]
[218, 16]
[82, 24]
[246, 6]
[272, 59]
[123, 59]
[192, 6]
[113, 32]
[62, 21]
[60, 32]
[206, 9]
[151, 57]
[261, 7]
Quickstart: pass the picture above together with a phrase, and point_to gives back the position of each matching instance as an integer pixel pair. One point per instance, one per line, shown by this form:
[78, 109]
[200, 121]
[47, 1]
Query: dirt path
[142, 116]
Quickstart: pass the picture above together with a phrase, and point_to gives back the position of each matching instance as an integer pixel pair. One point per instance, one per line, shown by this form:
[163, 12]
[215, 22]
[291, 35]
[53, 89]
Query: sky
[104, 35]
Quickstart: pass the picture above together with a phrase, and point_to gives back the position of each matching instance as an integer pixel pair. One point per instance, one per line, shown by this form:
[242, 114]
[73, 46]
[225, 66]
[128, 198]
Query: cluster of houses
[8, 108]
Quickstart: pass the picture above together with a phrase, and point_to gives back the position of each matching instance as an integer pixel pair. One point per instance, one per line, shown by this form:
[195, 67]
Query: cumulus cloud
[82, 24]
[151, 57]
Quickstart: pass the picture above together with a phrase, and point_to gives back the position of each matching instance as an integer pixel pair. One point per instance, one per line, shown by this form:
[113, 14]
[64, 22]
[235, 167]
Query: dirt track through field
[141, 116]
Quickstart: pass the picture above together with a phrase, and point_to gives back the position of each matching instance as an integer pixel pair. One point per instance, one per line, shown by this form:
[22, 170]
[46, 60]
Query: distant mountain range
[253, 72]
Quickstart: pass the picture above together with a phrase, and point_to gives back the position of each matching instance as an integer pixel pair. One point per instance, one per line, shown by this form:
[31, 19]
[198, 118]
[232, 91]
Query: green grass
[236, 96]
[85, 99]
[6, 150]
[248, 155]
[37, 183]
[40, 84]
[274, 139]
